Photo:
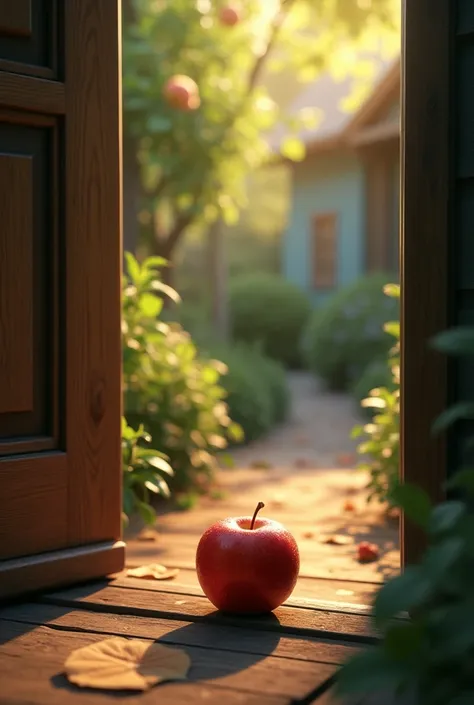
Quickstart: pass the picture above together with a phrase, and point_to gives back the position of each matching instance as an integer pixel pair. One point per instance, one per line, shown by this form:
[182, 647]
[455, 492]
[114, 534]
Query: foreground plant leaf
[125, 664]
[153, 570]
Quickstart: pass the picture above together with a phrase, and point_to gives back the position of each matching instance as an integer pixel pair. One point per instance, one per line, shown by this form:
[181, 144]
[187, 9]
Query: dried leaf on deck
[337, 540]
[153, 571]
[261, 465]
[301, 463]
[147, 535]
[125, 664]
[345, 459]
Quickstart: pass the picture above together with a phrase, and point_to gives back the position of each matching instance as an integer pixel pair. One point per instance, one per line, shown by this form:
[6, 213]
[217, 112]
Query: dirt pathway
[304, 473]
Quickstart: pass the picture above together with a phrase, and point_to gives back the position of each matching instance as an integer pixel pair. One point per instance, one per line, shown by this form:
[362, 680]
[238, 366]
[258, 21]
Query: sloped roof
[328, 95]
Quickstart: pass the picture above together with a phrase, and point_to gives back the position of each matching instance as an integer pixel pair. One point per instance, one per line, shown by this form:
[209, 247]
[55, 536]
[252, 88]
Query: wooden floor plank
[176, 586]
[147, 603]
[31, 660]
[184, 633]
[180, 549]
[307, 586]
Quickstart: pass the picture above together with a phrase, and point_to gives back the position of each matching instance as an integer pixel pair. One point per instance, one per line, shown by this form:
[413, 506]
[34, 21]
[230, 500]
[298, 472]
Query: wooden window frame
[317, 218]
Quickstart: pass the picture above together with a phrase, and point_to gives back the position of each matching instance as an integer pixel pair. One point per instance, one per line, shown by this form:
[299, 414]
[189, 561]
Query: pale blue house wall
[326, 183]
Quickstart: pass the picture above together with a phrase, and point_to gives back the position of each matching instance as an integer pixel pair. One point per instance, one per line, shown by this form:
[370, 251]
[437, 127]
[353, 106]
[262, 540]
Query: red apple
[229, 15]
[367, 552]
[247, 565]
[182, 93]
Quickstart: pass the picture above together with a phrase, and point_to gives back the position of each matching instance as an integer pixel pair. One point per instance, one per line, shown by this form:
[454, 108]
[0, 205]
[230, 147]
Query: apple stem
[260, 506]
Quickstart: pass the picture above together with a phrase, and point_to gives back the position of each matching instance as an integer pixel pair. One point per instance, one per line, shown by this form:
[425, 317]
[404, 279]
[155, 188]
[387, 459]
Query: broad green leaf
[160, 464]
[133, 268]
[455, 413]
[400, 594]
[414, 502]
[403, 640]
[392, 290]
[150, 305]
[393, 328]
[166, 290]
[369, 672]
[463, 479]
[146, 512]
[444, 517]
[457, 341]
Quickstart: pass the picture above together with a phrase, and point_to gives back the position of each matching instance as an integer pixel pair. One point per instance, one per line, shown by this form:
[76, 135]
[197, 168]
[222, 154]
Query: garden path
[304, 472]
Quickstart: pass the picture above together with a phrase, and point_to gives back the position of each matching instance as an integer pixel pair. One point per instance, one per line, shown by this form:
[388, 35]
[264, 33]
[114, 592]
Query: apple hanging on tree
[229, 15]
[247, 565]
[182, 93]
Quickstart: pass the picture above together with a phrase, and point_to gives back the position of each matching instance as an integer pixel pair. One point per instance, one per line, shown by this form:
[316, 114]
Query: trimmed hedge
[346, 334]
[258, 397]
[269, 310]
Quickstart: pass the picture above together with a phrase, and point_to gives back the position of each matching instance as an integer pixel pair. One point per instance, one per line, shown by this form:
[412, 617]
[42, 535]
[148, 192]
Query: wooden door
[60, 262]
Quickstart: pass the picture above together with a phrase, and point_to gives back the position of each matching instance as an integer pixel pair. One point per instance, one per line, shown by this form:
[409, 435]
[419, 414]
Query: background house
[344, 212]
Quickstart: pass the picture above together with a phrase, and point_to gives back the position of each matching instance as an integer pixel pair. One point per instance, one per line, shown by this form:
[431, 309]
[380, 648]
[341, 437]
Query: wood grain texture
[426, 162]
[65, 567]
[42, 653]
[186, 583]
[93, 263]
[15, 18]
[16, 283]
[28, 69]
[33, 505]
[309, 587]
[33, 94]
[226, 638]
[289, 620]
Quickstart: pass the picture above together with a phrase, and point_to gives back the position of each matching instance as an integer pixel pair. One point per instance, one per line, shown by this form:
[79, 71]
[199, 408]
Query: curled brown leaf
[125, 664]
[153, 571]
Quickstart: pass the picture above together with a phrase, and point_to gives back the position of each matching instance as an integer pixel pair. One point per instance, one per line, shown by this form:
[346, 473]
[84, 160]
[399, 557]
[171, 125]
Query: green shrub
[145, 472]
[269, 310]
[345, 334]
[257, 390]
[426, 658]
[176, 394]
[381, 436]
[376, 374]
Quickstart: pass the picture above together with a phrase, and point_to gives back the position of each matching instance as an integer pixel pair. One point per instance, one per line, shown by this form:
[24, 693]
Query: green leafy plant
[376, 374]
[145, 473]
[175, 393]
[426, 615]
[269, 310]
[381, 436]
[347, 333]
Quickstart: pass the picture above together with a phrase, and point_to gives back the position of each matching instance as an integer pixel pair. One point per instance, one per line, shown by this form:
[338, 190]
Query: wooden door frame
[426, 173]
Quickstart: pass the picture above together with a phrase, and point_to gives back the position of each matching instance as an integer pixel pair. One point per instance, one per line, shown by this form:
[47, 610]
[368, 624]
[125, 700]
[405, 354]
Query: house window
[324, 251]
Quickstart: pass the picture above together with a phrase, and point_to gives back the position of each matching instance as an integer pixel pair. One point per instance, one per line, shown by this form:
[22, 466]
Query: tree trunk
[219, 279]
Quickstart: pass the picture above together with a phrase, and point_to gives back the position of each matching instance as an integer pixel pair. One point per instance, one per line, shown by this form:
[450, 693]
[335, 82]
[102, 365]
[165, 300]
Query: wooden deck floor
[289, 657]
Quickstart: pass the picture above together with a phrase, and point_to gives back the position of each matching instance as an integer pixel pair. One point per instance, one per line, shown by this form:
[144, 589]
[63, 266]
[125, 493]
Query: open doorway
[281, 276]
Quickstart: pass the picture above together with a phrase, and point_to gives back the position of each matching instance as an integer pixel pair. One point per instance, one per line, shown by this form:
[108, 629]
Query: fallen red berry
[349, 506]
[367, 552]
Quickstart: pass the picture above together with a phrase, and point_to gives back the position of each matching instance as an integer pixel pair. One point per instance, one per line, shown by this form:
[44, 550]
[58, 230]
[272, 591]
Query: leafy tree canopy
[193, 162]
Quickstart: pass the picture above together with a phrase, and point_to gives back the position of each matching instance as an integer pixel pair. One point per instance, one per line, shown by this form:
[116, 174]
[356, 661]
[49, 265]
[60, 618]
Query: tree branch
[275, 28]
